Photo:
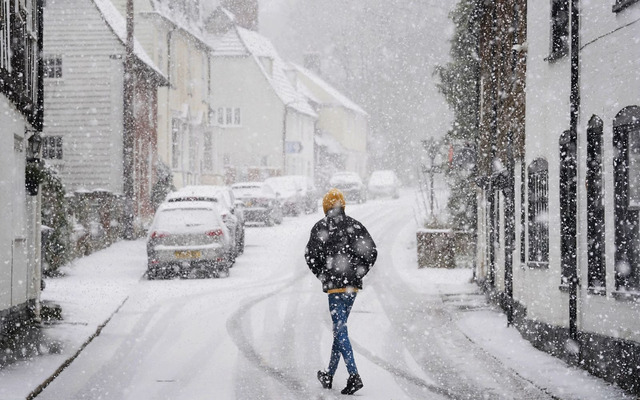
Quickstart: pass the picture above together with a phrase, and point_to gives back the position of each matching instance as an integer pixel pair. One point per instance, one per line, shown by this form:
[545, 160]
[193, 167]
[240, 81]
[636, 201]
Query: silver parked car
[223, 197]
[308, 192]
[384, 183]
[289, 193]
[186, 237]
[350, 184]
[259, 201]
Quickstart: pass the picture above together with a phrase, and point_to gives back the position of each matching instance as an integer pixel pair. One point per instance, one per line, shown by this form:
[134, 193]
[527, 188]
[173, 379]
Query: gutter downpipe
[573, 132]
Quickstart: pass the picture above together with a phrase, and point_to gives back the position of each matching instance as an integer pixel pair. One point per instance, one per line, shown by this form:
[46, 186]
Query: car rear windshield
[283, 184]
[337, 179]
[255, 191]
[184, 218]
[382, 178]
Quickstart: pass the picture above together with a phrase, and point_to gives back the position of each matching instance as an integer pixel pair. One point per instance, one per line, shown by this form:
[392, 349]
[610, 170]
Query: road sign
[293, 147]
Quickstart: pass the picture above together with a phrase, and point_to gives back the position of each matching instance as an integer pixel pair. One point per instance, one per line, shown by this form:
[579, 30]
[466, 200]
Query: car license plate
[186, 254]
[248, 204]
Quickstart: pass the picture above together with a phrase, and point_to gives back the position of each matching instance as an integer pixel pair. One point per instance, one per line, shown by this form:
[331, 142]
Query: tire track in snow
[294, 385]
[445, 353]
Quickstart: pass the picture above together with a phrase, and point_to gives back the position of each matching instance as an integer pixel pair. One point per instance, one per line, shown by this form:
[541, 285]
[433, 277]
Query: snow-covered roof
[330, 90]
[182, 22]
[238, 42]
[228, 45]
[118, 25]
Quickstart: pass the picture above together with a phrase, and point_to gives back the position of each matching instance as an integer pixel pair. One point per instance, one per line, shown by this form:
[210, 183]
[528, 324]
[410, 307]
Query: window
[175, 143]
[626, 170]
[538, 224]
[52, 66]
[559, 29]
[5, 36]
[595, 208]
[208, 151]
[52, 147]
[193, 152]
[228, 116]
[622, 4]
[568, 201]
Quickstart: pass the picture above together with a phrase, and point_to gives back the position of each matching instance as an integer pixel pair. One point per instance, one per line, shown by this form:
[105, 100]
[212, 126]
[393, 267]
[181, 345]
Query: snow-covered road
[265, 331]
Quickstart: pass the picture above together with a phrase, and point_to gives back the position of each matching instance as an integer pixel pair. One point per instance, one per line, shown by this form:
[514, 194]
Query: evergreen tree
[459, 85]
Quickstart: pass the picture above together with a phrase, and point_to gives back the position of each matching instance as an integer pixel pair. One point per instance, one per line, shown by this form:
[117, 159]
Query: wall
[607, 86]
[16, 235]
[547, 116]
[85, 105]
[241, 83]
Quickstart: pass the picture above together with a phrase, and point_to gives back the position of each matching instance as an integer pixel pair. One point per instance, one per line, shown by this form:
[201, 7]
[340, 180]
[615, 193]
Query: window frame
[594, 183]
[622, 4]
[626, 219]
[538, 203]
[230, 117]
[52, 147]
[559, 32]
[52, 63]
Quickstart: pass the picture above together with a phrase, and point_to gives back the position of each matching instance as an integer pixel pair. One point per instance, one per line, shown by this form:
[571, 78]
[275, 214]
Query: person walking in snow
[340, 253]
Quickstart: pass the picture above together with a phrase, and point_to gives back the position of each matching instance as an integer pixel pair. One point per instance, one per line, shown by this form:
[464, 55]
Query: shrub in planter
[55, 250]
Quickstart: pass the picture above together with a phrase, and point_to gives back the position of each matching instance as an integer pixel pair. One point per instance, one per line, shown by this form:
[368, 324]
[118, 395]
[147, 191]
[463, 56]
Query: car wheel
[241, 244]
[223, 270]
[269, 220]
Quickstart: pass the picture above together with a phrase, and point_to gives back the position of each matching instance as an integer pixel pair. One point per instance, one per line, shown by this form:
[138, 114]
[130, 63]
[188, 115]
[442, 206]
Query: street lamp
[33, 173]
[35, 143]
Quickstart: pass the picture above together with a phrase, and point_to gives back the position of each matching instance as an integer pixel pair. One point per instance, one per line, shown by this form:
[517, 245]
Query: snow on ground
[94, 288]
[487, 327]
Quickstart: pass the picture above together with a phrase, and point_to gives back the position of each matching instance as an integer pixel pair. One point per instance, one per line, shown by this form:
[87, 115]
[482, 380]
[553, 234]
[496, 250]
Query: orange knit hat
[333, 198]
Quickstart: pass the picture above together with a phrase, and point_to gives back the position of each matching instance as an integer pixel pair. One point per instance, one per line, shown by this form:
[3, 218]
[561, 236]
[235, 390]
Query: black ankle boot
[325, 379]
[354, 383]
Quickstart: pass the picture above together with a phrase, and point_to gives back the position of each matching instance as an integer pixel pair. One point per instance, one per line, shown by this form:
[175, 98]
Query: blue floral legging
[340, 306]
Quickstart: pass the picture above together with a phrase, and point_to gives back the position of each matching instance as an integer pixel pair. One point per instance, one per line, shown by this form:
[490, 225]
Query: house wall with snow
[172, 38]
[17, 236]
[265, 125]
[547, 117]
[341, 118]
[610, 83]
[83, 95]
[300, 129]
[255, 139]
[20, 118]
[604, 335]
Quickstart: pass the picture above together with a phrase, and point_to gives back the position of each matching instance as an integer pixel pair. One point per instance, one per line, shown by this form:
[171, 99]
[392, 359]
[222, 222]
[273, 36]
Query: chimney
[245, 11]
[312, 62]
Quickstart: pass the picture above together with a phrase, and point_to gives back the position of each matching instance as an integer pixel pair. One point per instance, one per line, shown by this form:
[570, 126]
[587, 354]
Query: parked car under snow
[222, 196]
[350, 184]
[289, 193]
[384, 183]
[188, 237]
[260, 202]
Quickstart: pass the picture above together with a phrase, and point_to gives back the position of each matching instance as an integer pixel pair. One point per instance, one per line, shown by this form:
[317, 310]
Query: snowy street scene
[316, 199]
[265, 330]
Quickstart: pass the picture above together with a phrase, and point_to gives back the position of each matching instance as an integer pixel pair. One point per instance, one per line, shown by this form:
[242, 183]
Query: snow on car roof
[191, 205]
[247, 185]
[203, 192]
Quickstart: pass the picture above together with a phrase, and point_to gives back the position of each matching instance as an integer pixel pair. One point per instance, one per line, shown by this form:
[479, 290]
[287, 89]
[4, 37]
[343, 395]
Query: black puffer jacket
[340, 251]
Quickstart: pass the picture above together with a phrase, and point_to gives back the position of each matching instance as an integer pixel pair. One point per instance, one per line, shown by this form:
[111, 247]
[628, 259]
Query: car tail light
[159, 235]
[262, 202]
[215, 233]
